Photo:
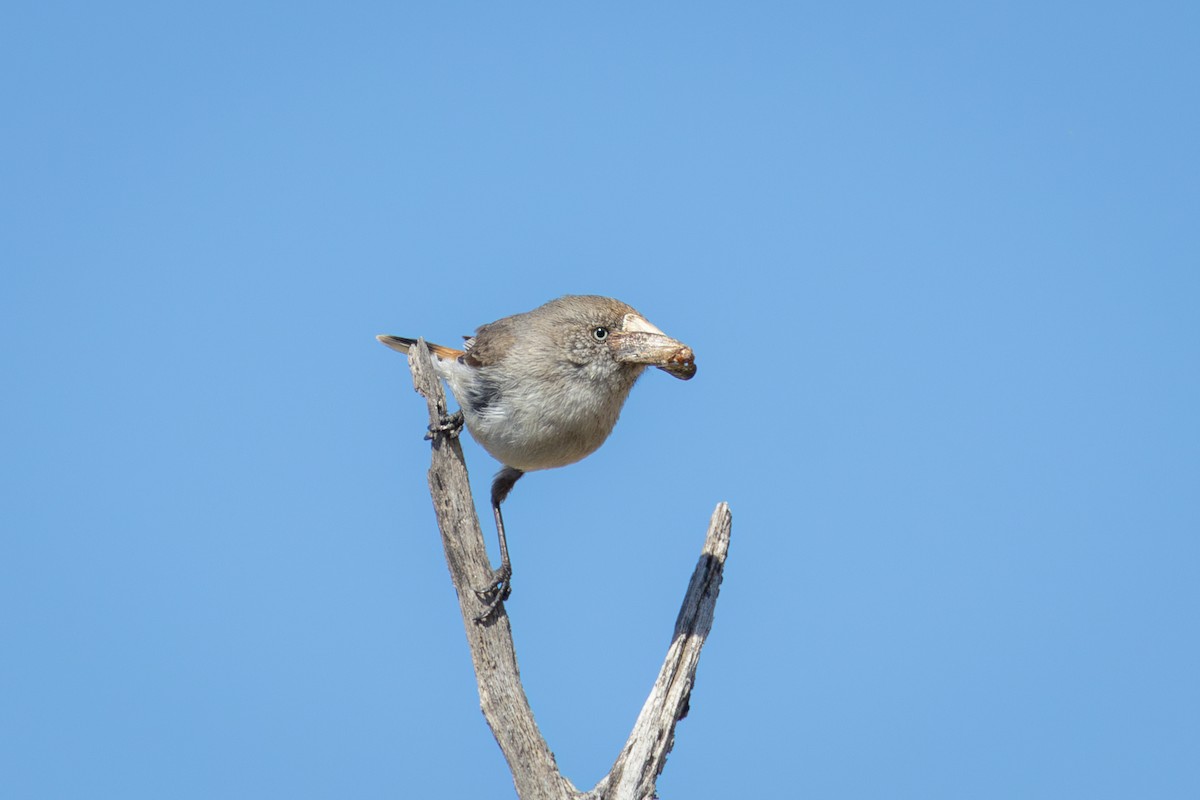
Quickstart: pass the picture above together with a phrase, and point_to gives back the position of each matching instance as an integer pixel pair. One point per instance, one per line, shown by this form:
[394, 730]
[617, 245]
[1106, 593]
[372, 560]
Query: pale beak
[639, 342]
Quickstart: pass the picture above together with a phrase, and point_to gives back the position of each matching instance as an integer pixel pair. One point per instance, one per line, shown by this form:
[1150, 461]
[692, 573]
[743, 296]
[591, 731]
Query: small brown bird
[544, 389]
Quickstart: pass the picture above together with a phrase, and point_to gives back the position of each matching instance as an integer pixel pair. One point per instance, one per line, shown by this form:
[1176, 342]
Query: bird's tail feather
[401, 344]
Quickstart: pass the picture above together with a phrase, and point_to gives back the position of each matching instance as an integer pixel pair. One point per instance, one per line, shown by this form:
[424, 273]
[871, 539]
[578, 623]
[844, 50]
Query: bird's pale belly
[532, 442]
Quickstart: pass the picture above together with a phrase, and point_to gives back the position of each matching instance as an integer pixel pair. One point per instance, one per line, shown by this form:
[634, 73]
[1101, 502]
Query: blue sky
[940, 265]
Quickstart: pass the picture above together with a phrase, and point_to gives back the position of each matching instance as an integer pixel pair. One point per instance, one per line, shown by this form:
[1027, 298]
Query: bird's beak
[639, 342]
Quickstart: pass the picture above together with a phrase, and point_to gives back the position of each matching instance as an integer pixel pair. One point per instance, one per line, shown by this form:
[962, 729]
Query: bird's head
[603, 330]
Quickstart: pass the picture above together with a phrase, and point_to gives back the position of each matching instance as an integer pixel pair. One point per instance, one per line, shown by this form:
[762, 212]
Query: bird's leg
[449, 424]
[500, 587]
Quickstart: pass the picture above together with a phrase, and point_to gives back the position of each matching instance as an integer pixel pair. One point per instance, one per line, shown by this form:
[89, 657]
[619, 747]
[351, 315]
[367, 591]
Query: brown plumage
[544, 389]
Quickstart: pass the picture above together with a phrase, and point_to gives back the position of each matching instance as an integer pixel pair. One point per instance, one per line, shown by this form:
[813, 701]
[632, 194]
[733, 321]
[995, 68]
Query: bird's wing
[489, 344]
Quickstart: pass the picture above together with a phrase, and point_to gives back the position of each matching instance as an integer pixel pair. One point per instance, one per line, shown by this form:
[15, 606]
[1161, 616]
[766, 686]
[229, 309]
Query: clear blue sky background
[939, 262]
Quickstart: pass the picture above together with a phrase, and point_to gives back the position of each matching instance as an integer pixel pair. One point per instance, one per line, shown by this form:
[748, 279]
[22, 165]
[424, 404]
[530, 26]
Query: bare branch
[642, 759]
[502, 698]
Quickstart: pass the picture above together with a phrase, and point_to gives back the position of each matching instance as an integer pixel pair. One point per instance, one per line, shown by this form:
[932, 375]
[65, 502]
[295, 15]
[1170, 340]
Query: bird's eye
[600, 334]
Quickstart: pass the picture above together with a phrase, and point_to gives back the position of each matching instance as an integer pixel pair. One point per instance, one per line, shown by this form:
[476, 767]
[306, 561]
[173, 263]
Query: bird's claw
[495, 592]
[449, 424]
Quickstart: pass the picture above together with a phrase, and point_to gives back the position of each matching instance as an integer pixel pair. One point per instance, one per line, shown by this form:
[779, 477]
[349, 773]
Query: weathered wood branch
[502, 698]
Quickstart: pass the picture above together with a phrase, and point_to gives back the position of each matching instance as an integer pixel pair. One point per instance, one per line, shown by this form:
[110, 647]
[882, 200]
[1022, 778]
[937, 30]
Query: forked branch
[501, 696]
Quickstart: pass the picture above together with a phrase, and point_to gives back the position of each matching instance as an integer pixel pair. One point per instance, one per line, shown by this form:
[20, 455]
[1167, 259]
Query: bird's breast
[532, 425]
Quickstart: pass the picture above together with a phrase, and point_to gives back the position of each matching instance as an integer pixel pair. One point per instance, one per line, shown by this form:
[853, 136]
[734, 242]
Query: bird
[544, 388]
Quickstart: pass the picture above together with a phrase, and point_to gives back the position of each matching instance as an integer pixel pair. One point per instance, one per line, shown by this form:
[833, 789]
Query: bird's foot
[449, 424]
[495, 592]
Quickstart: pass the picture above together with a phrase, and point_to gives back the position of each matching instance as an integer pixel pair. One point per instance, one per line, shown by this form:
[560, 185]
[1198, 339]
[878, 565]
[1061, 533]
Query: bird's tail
[397, 343]
[401, 345]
